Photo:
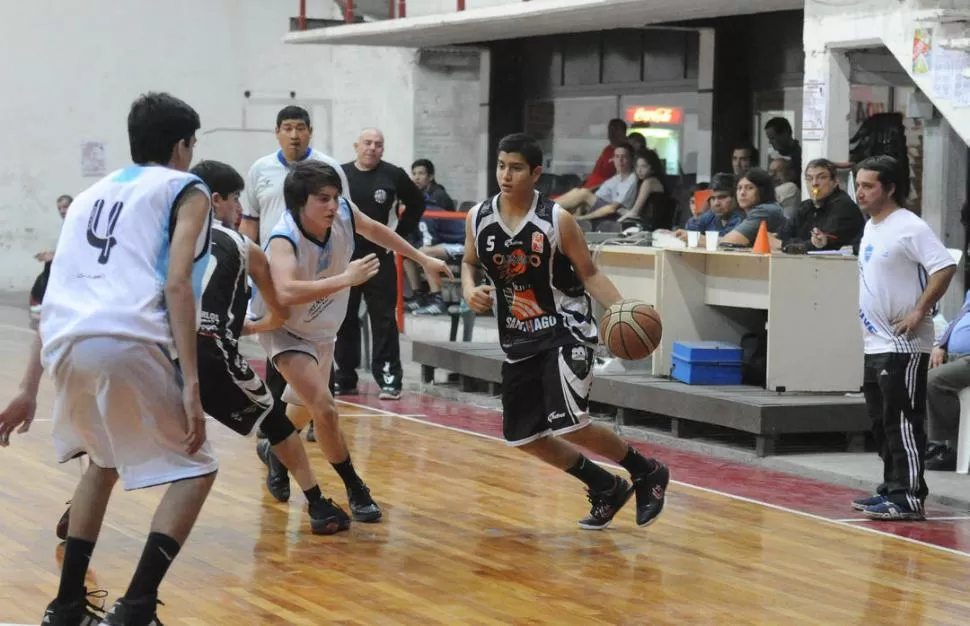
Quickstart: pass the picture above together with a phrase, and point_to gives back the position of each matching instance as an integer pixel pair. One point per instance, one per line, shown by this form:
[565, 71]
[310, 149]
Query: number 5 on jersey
[490, 243]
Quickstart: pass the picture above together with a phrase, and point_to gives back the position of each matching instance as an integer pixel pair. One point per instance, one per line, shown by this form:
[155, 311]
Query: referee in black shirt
[376, 187]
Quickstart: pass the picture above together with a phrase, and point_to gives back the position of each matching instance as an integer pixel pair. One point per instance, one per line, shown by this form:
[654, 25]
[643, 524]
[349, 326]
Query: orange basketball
[631, 329]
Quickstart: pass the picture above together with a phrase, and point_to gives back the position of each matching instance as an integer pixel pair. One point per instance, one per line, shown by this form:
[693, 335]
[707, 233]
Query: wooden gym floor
[477, 533]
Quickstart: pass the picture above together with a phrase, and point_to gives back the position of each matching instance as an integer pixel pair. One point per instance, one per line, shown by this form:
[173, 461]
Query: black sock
[313, 494]
[77, 557]
[595, 477]
[636, 463]
[345, 469]
[160, 551]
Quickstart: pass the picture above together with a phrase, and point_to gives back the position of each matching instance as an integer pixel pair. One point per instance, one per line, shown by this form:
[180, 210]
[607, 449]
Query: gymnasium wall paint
[71, 70]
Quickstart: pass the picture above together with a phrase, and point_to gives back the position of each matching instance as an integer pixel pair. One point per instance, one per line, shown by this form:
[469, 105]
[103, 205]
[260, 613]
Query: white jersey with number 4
[320, 320]
[109, 273]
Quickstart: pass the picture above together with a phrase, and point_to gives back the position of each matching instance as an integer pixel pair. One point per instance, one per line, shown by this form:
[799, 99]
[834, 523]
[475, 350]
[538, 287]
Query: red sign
[654, 115]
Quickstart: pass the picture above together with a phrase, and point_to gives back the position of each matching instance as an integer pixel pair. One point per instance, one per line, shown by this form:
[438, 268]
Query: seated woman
[756, 197]
[651, 204]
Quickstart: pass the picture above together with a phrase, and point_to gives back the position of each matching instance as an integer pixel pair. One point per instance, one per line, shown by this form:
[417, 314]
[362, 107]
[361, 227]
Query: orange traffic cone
[761, 245]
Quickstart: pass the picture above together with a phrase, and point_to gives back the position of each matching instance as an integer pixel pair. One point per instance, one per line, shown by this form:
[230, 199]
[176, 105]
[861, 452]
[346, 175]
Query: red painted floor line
[773, 488]
[778, 489]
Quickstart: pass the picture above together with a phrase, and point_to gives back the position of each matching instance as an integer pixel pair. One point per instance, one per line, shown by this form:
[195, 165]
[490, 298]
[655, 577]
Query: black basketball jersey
[540, 301]
[225, 285]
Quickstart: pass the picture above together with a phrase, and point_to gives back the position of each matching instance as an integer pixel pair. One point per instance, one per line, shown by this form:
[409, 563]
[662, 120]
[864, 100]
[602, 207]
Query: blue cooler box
[707, 363]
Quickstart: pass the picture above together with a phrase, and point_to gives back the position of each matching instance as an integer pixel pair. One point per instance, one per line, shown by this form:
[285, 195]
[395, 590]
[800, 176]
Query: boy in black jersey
[542, 278]
[231, 392]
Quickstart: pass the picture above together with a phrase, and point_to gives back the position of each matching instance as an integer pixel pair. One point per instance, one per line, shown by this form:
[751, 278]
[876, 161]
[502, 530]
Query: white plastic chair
[963, 439]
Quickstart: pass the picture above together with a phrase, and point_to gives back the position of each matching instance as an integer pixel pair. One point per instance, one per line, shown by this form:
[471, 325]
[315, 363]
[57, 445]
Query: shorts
[281, 341]
[453, 250]
[232, 393]
[120, 401]
[546, 395]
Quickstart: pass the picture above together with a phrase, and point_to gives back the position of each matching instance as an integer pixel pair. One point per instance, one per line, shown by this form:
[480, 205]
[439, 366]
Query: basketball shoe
[606, 504]
[651, 492]
[78, 613]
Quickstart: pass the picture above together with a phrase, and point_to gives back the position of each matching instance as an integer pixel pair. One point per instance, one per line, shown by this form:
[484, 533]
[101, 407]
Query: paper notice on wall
[961, 91]
[947, 65]
[94, 158]
[813, 111]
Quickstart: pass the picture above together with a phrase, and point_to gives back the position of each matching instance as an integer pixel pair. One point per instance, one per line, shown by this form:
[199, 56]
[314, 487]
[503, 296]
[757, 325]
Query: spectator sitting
[443, 238]
[435, 196]
[605, 168]
[620, 191]
[743, 158]
[756, 197]
[637, 141]
[653, 206]
[724, 214]
[949, 374]
[787, 193]
[829, 220]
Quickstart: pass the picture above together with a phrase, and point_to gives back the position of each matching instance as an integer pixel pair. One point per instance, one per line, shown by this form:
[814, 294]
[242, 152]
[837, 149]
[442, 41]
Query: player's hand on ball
[436, 267]
[362, 270]
[481, 298]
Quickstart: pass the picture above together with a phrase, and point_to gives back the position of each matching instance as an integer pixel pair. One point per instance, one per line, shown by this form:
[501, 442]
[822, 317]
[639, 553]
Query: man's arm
[574, 246]
[19, 414]
[414, 204]
[922, 246]
[378, 233]
[263, 279]
[192, 217]
[292, 291]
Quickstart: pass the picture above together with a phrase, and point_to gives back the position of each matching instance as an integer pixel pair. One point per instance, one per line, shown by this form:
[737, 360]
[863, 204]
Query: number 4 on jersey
[107, 241]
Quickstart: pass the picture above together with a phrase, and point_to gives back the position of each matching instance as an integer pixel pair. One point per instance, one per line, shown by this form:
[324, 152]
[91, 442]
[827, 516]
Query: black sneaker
[78, 613]
[62, 524]
[341, 391]
[311, 434]
[651, 493]
[139, 612]
[362, 506]
[277, 477]
[326, 518]
[606, 504]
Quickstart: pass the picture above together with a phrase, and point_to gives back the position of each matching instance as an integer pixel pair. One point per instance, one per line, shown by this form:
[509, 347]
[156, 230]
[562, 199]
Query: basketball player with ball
[542, 277]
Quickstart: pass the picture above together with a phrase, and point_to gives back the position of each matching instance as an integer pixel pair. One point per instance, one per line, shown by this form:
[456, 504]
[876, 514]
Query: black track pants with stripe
[894, 386]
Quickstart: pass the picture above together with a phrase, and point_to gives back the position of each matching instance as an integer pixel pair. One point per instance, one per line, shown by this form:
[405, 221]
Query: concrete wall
[71, 70]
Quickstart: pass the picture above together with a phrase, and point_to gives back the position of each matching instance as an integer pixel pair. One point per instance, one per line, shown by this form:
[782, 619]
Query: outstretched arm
[260, 273]
[292, 291]
[383, 236]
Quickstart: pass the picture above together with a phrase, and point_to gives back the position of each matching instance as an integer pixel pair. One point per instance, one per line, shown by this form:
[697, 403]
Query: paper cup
[710, 238]
[693, 238]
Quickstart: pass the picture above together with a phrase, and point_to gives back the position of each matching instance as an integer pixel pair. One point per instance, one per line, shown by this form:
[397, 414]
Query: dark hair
[626, 146]
[657, 169]
[888, 173]
[822, 164]
[751, 150]
[292, 112]
[64, 197]
[426, 164]
[724, 182]
[219, 177]
[522, 144]
[637, 135]
[617, 123]
[305, 179]
[762, 180]
[780, 125]
[157, 123]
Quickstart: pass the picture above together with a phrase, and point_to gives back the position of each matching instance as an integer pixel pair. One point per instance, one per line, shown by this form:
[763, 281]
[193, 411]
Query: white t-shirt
[620, 190]
[896, 257]
[264, 189]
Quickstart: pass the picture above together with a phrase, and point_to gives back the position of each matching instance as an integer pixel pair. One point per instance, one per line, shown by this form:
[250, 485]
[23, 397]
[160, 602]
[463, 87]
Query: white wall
[70, 71]
[417, 8]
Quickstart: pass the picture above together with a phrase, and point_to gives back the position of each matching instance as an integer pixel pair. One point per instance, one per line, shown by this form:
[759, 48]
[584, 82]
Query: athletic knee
[103, 476]
[325, 411]
[277, 426]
